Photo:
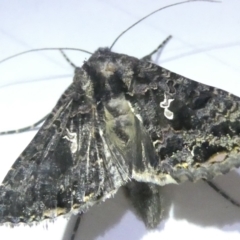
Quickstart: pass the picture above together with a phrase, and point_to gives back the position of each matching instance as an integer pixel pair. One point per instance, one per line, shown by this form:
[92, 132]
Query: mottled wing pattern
[186, 130]
[67, 167]
[122, 119]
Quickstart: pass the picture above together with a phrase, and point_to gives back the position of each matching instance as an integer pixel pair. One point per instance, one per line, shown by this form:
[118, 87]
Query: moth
[103, 112]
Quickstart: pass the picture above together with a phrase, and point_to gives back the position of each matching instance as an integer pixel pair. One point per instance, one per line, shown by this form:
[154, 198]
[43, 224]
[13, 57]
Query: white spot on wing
[71, 137]
[166, 104]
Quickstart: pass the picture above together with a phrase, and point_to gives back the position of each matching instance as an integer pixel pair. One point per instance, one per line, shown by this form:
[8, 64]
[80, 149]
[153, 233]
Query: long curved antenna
[43, 49]
[174, 4]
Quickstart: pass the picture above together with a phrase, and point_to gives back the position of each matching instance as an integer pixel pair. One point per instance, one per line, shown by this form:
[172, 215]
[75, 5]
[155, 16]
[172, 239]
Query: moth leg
[222, 193]
[158, 49]
[26, 129]
[76, 225]
[146, 199]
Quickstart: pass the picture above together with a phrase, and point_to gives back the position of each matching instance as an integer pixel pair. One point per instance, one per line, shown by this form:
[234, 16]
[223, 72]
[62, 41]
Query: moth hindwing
[122, 122]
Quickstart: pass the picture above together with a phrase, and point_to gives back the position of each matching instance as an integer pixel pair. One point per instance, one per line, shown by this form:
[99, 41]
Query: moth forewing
[202, 48]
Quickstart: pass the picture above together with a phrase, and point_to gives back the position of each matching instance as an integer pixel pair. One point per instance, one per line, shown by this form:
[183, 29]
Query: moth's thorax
[115, 71]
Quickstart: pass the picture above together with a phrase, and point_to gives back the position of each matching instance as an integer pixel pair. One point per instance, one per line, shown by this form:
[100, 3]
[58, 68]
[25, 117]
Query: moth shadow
[199, 204]
[107, 220]
[196, 202]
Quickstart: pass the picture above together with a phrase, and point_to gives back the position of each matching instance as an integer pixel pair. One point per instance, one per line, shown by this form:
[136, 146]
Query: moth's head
[102, 62]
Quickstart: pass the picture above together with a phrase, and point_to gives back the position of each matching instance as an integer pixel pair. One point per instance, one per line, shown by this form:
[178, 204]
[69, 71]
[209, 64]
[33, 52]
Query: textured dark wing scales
[67, 167]
[29, 188]
[122, 122]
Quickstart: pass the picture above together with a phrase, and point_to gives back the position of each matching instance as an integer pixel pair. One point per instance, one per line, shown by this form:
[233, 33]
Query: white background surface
[205, 47]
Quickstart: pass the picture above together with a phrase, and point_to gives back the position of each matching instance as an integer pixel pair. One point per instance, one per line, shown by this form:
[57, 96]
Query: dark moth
[123, 121]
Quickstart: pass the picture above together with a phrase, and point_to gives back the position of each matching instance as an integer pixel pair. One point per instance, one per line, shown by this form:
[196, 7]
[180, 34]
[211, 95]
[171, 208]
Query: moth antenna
[43, 49]
[150, 14]
[222, 193]
[67, 59]
[158, 49]
[25, 129]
